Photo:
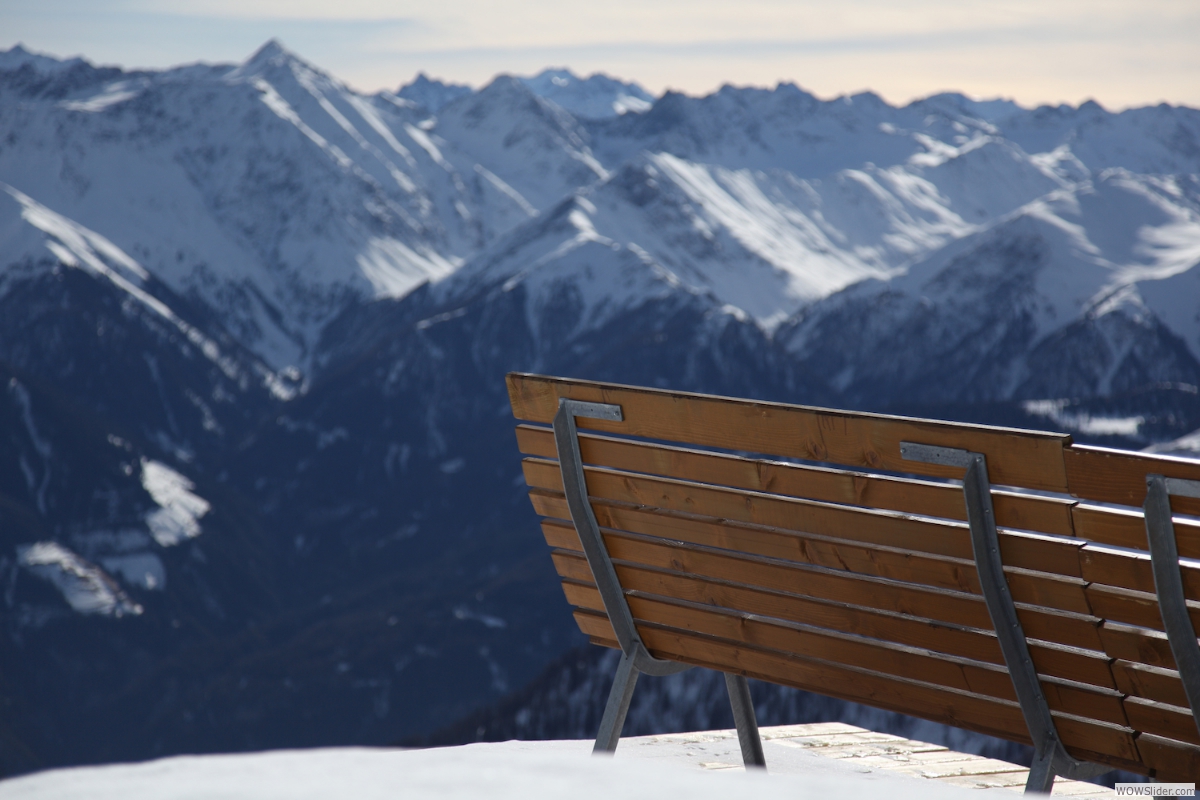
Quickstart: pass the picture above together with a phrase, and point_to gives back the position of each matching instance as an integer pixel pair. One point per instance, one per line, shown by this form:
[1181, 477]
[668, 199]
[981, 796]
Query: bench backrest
[855, 577]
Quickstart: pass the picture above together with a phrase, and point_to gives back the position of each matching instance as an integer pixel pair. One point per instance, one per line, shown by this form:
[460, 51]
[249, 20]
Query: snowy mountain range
[257, 478]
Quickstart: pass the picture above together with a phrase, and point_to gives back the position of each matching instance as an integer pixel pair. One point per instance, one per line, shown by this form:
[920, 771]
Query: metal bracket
[635, 657]
[1050, 757]
[1168, 583]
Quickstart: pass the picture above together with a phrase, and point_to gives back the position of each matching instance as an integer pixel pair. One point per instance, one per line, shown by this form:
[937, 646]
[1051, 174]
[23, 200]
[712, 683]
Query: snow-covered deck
[819, 760]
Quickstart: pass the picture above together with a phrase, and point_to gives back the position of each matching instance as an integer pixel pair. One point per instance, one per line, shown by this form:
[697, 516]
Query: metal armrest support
[1050, 757]
[1168, 583]
[635, 658]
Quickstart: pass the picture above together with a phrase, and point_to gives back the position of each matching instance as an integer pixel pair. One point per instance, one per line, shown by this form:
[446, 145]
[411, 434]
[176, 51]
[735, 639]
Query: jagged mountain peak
[432, 94]
[597, 96]
[272, 58]
[18, 56]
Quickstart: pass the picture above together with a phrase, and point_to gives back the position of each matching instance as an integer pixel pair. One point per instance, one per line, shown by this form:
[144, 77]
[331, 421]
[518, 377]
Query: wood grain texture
[1137, 644]
[1015, 457]
[1130, 607]
[1133, 571]
[1171, 761]
[1028, 587]
[1160, 719]
[1111, 743]
[881, 655]
[1119, 476]
[1126, 527]
[1150, 683]
[845, 603]
[831, 522]
[935, 499]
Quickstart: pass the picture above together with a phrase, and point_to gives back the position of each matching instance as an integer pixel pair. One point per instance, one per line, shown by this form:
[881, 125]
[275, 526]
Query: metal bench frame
[635, 659]
[1050, 759]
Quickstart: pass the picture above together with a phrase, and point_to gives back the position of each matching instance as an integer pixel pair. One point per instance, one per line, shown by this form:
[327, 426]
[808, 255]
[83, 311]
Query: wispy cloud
[1118, 51]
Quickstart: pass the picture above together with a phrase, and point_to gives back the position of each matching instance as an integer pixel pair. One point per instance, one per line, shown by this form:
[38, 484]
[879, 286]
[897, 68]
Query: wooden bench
[1003, 581]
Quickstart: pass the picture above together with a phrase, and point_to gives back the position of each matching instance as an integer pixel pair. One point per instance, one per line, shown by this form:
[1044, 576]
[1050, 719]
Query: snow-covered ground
[696, 766]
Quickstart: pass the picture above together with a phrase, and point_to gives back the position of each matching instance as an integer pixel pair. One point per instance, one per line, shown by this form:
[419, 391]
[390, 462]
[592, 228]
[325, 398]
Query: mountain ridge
[292, 305]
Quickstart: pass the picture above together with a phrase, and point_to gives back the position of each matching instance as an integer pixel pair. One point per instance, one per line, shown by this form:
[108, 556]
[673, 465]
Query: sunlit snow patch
[1185, 446]
[86, 587]
[179, 512]
[1055, 411]
[112, 94]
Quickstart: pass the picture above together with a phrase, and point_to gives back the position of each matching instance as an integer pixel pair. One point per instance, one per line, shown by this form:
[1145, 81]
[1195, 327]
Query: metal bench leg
[1050, 757]
[1041, 773]
[745, 721]
[635, 657]
[617, 707]
[1168, 583]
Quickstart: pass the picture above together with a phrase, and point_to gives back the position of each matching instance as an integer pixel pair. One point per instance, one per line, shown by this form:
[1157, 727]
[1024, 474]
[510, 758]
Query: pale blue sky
[1120, 53]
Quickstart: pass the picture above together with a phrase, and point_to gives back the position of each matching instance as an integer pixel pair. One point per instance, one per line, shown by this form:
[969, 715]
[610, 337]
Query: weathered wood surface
[1171, 761]
[854, 603]
[935, 499]
[1085, 738]
[1151, 683]
[836, 584]
[881, 655]
[1119, 476]
[1015, 457]
[883, 752]
[831, 521]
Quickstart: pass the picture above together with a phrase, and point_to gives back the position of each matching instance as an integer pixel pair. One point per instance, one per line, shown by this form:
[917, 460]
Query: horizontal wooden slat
[1137, 644]
[1126, 527]
[1030, 588]
[949, 639]
[956, 609]
[934, 499]
[1131, 570]
[1015, 458]
[1114, 744]
[1131, 608]
[1119, 476]
[907, 534]
[1070, 663]
[841, 647]
[1151, 683]
[1160, 719]
[996, 718]
[1171, 761]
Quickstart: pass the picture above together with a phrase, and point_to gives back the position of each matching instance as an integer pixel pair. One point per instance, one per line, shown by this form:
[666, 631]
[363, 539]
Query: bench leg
[744, 719]
[1041, 774]
[618, 705]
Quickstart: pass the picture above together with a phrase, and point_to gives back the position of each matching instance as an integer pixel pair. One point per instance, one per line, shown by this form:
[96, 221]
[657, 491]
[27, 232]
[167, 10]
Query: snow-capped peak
[17, 57]
[596, 97]
[432, 94]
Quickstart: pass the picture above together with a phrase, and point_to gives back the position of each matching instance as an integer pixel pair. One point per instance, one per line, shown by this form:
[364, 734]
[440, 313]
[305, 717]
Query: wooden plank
[1131, 570]
[1013, 509]
[1151, 683]
[1030, 588]
[1083, 666]
[1161, 719]
[1110, 743]
[908, 535]
[1171, 761]
[1130, 607]
[993, 717]
[1126, 527]
[839, 647]
[1137, 644]
[1015, 457]
[1119, 476]
[928, 634]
